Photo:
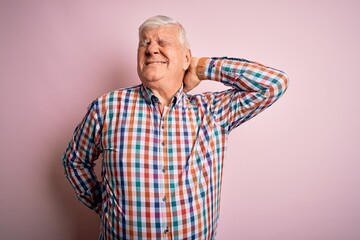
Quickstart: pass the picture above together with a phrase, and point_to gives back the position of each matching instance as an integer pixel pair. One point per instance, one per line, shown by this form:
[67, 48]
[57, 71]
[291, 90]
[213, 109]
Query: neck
[165, 94]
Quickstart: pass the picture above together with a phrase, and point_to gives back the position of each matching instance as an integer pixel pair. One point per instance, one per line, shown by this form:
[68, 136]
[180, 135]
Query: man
[162, 149]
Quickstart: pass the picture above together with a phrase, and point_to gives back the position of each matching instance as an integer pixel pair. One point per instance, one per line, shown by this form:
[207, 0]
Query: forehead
[163, 32]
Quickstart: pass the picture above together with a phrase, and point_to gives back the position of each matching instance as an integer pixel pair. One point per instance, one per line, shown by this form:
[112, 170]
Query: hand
[191, 79]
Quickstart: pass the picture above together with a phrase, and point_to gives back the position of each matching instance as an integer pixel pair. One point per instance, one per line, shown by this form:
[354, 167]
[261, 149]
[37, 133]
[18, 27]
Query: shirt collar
[151, 98]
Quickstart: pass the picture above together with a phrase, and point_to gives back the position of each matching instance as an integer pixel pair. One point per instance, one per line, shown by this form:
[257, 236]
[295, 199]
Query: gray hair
[159, 20]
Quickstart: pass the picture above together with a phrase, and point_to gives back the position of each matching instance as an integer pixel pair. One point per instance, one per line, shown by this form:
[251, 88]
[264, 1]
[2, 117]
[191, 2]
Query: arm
[79, 157]
[254, 87]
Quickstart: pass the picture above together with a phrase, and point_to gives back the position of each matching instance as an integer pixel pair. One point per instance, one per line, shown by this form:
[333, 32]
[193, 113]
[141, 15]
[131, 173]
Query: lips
[155, 62]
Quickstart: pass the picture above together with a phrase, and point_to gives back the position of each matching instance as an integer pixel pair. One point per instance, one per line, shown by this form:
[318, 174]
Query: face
[162, 60]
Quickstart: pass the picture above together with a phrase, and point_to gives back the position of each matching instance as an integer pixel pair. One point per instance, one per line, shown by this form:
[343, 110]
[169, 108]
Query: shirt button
[164, 199]
[163, 170]
[166, 230]
[163, 143]
[162, 126]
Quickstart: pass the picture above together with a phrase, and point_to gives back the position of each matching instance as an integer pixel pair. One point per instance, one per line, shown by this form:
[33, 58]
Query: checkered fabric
[162, 170]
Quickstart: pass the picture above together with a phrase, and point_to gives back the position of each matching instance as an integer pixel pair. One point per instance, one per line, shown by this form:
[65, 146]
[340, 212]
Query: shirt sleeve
[79, 157]
[254, 87]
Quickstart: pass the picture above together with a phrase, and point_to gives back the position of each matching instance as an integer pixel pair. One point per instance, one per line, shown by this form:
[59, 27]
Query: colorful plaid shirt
[162, 170]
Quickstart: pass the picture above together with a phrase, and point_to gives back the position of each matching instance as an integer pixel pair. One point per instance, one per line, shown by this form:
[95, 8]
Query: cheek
[140, 55]
[180, 63]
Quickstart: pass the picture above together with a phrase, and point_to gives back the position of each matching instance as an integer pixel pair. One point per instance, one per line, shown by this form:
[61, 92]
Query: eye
[162, 42]
[144, 43]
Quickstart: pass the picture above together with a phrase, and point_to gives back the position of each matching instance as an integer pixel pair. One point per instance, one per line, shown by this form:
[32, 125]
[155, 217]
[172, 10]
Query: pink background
[291, 173]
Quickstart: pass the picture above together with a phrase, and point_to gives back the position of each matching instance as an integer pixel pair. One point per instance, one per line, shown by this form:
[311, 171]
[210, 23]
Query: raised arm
[254, 87]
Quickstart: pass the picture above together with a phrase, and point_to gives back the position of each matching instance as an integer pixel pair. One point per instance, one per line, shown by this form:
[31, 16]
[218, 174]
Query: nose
[152, 48]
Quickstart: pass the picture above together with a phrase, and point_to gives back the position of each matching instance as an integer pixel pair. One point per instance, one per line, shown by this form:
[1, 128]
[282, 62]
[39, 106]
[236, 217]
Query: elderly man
[163, 149]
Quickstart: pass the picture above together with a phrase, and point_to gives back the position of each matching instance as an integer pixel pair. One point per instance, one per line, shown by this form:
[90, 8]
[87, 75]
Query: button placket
[162, 124]
[164, 169]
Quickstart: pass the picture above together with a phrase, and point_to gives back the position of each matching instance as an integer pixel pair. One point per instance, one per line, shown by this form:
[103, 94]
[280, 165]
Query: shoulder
[119, 95]
[114, 99]
[206, 97]
[210, 101]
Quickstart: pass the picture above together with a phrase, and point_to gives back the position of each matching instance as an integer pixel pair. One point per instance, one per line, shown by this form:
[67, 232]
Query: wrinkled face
[161, 58]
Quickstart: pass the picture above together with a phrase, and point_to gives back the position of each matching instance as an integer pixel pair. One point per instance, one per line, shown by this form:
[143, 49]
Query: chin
[150, 82]
[150, 78]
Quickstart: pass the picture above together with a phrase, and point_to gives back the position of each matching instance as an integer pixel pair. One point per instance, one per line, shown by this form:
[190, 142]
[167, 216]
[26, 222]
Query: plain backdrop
[291, 173]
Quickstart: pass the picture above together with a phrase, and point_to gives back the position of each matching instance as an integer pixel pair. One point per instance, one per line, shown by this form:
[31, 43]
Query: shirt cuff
[201, 66]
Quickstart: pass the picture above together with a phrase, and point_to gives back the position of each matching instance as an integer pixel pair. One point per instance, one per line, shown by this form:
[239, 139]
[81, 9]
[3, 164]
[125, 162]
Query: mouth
[155, 63]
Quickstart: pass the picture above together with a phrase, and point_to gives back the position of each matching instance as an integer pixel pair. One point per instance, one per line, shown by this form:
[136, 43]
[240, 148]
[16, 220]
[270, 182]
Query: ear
[187, 59]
